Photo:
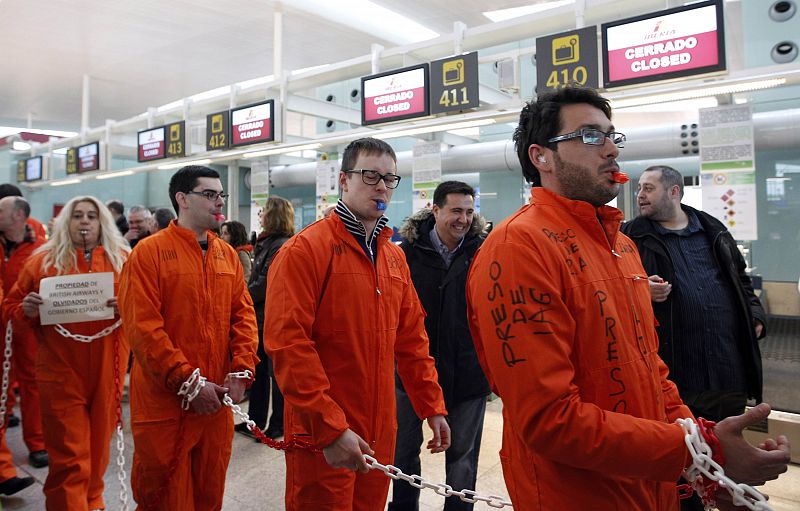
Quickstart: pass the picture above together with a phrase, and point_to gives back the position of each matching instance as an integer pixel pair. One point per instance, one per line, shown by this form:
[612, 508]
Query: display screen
[395, 95]
[33, 168]
[151, 144]
[252, 124]
[89, 157]
[667, 44]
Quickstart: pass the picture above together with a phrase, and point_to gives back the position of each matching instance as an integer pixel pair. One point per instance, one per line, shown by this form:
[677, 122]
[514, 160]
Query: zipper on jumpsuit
[374, 266]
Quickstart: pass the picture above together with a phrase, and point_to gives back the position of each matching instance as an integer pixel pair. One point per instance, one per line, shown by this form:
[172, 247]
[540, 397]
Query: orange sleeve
[415, 366]
[140, 308]
[293, 290]
[27, 281]
[244, 330]
[531, 368]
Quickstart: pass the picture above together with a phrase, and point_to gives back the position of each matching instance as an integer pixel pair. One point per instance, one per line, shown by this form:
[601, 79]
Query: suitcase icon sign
[566, 50]
[453, 72]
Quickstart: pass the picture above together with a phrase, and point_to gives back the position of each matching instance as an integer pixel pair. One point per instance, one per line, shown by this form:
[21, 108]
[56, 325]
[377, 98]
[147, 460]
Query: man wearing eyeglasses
[192, 329]
[560, 313]
[341, 311]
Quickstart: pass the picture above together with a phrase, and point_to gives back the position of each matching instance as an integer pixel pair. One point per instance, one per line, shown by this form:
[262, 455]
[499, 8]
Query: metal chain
[391, 471]
[121, 474]
[6, 372]
[88, 338]
[704, 467]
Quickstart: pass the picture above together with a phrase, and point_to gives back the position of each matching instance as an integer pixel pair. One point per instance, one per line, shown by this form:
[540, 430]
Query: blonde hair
[278, 217]
[60, 251]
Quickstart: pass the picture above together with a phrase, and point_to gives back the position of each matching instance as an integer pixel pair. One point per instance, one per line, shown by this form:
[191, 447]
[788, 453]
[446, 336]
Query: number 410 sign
[568, 58]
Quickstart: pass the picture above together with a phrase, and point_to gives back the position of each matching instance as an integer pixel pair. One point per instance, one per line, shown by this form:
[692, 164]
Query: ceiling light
[262, 80]
[204, 161]
[65, 182]
[282, 150]
[516, 12]
[432, 129]
[210, 94]
[672, 106]
[698, 93]
[115, 174]
[368, 17]
[170, 105]
[306, 69]
[20, 146]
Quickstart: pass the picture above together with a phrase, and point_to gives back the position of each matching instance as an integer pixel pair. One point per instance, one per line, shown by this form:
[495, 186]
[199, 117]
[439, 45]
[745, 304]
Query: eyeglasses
[593, 136]
[372, 177]
[210, 194]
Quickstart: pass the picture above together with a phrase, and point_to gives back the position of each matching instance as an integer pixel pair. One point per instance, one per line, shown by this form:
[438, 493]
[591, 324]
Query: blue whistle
[381, 205]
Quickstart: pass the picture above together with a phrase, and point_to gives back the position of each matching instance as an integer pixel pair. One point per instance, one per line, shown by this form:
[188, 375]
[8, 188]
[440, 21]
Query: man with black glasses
[560, 312]
[341, 309]
[192, 329]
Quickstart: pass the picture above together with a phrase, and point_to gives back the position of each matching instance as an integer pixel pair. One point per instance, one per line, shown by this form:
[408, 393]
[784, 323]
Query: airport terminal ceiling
[111, 69]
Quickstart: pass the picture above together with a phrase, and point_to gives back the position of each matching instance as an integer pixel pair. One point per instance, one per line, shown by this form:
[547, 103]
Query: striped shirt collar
[354, 225]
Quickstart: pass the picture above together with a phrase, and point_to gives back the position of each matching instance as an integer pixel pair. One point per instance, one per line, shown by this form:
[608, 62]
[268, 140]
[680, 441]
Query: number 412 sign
[568, 58]
[454, 83]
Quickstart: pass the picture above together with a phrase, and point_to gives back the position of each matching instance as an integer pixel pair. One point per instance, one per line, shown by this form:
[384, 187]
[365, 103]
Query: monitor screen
[151, 144]
[89, 157]
[33, 168]
[395, 95]
[674, 43]
[252, 124]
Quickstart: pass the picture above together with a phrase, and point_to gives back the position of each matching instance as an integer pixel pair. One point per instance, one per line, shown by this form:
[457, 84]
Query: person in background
[235, 234]
[80, 383]
[19, 241]
[340, 312]
[117, 209]
[439, 244]
[560, 312]
[139, 224]
[709, 318]
[192, 329]
[277, 226]
[10, 190]
[162, 217]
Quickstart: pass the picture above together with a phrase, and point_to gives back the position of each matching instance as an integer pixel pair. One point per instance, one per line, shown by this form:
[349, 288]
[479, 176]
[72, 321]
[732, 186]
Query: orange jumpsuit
[24, 342]
[7, 468]
[183, 310]
[335, 324]
[78, 385]
[560, 312]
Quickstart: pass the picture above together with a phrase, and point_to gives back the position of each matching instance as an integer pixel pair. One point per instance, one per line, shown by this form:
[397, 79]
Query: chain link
[6, 372]
[121, 475]
[703, 466]
[391, 471]
[88, 338]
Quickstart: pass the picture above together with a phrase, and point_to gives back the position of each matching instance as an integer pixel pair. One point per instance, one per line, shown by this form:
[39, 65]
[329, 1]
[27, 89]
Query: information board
[151, 144]
[71, 164]
[568, 58]
[30, 169]
[88, 157]
[252, 124]
[217, 135]
[395, 95]
[176, 138]
[454, 83]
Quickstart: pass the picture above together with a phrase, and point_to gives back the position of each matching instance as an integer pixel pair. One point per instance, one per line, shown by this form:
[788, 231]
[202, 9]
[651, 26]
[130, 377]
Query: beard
[582, 183]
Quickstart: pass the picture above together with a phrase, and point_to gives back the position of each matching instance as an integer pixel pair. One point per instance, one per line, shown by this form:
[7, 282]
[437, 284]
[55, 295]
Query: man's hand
[112, 302]
[31, 303]
[132, 234]
[348, 451]
[759, 328]
[659, 288]
[209, 400]
[745, 463]
[441, 434]
[236, 388]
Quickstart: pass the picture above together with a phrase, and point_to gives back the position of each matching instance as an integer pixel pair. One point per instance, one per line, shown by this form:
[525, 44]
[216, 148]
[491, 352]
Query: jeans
[461, 459]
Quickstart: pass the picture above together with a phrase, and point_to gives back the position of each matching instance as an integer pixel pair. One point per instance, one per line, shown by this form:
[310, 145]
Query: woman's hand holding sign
[31, 303]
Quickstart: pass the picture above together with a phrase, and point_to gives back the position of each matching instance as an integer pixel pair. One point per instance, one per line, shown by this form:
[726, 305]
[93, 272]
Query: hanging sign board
[252, 124]
[176, 138]
[217, 136]
[151, 144]
[72, 161]
[395, 95]
[30, 169]
[677, 42]
[88, 157]
[454, 83]
[568, 58]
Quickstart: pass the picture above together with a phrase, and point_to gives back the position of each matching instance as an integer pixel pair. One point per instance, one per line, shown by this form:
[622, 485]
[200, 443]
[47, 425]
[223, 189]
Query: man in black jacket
[439, 244]
[709, 318]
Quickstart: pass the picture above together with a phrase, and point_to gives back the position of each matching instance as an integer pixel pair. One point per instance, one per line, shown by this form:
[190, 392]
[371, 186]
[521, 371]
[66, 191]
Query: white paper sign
[76, 298]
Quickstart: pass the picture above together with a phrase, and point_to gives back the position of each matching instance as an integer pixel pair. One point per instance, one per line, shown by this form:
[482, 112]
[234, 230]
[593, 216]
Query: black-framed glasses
[210, 194]
[593, 136]
[371, 177]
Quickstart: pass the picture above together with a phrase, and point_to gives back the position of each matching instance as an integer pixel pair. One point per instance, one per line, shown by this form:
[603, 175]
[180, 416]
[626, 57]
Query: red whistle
[219, 217]
[620, 177]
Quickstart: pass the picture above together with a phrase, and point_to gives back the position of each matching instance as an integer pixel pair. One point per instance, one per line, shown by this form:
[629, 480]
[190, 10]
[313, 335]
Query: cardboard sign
[76, 298]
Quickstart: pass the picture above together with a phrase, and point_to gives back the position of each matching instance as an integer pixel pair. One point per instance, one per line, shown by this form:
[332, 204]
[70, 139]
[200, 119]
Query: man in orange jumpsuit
[79, 382]
[340, 310]
[560, 312]
[19, 242]
[188, 317]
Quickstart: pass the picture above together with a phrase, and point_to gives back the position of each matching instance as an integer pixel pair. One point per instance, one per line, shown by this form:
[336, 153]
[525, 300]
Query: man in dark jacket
[439, 244]
[709, 318]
